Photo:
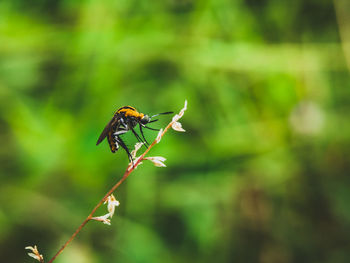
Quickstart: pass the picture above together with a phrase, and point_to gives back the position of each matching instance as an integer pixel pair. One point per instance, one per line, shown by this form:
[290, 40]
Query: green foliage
[259, 175]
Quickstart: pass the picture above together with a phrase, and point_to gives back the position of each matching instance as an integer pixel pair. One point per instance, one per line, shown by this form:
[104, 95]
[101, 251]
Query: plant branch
[128, 171]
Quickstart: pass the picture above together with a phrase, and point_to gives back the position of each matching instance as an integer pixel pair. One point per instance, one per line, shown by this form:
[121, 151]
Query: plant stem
[126, 174]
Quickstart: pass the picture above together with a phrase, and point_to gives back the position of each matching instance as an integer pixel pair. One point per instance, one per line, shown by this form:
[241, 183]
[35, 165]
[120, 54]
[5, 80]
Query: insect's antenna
[153, 121]
[168, 112]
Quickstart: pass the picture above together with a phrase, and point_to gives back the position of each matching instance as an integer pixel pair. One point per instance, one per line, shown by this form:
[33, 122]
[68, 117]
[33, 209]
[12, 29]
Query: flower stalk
[109, 197]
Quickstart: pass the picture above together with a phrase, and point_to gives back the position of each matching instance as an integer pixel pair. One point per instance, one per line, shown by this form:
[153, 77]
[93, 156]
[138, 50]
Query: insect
[125, 119]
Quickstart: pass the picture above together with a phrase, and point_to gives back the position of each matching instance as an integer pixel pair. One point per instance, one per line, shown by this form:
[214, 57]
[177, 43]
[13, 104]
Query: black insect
[125, 119]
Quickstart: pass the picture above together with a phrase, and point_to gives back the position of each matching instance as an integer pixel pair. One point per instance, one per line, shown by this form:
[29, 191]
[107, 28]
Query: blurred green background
[262, 172]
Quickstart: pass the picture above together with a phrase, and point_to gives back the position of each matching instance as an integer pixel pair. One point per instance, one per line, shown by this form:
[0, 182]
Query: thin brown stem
[126, 174]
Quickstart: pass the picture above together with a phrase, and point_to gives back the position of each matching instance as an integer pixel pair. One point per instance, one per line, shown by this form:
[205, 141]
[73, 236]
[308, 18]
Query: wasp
[125, 119]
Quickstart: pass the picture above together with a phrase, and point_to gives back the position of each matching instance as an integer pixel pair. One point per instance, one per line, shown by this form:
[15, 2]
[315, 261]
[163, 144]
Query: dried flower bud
[177, 126]
[157, 160]
[137, 147]
[112, 203]
[104, 219]
[159, 136]
[35, 253]
[182, 111]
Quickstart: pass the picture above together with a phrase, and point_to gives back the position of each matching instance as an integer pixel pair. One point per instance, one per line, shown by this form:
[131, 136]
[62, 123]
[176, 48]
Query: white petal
[35, 253]
[111, 210]
[181, 113]
[176, 118]
[185, 107]
[106, 222]
[34, 256]
[111, 198]
[104, 219]
[177, 127]
[111, 207]
[29, 247]
[137, 147]
[159, 136]
[112, 203]
[157, 160]
[115, 203]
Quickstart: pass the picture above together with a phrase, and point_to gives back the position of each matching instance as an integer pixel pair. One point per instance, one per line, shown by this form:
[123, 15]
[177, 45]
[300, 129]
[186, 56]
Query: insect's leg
[124, 124]
[120, 132]
[122, 144]
[131, 126]
[113, 143]
[143, 136]
[139, 138]
[116, 143]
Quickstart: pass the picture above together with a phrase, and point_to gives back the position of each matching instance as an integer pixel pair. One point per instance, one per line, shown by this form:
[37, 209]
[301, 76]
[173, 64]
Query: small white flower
[159, 136]
[137, 147]
[157, 160]
[104, 219]
[177, 127]
[182, 111]
[112, 203]
[133, 154]
[176, 118]
[35, 253]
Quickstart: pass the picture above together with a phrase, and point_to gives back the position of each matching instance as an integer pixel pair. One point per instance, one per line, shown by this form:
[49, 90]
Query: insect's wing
[106, 130]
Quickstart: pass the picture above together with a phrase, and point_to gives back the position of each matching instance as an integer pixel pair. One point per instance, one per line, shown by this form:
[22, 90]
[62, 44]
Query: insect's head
[148, 119]
[145, 119]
